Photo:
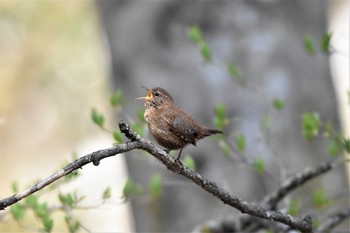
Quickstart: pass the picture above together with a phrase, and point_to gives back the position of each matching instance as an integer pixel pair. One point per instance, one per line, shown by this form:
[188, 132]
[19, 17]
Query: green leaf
[139, 114]
[205, 51]
[218, 123]
[319, 198]
[72, 224]
[259, 166]
[189, 163]
[293, 207]
[346, 145]
[220, 111]
[326, 39]
[97, 118]
[335, 146]
[18, 211]
[155, 186]
[240, 142]
[138, 128]
[41, 210]
[220, 120]
[195, 34]
[278, 104]
[315, 223]
[67, 199]
[234, 72]
[48, 224]
[117, 136]
[308, 45]
[31, 200]
[131, 188]
[328, 129]
[107, 193]
[225, 148]
[14, 186]
[310, 125]
[265, 123]
[116, 98]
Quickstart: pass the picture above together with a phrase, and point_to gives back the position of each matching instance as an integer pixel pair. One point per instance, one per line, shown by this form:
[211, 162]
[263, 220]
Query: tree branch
[136, 142]
[334, 220]
[271, 200]
[93, 157]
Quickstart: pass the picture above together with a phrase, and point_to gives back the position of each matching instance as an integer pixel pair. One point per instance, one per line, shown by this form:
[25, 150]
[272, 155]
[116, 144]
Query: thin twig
[136, 142]
[334, 220]
[271, 200]
[93, 157]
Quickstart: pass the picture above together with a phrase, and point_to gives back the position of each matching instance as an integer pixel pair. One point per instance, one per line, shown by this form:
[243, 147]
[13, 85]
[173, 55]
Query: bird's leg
[167, 150]
[178, 157]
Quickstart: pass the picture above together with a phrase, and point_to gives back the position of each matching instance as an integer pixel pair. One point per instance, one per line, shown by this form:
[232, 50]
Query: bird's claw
[167, 151]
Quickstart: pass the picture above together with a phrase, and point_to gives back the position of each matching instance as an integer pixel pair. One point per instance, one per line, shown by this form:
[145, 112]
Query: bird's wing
[181, 125]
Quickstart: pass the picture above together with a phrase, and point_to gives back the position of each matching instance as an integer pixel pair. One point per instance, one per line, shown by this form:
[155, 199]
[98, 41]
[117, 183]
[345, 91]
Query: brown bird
[172, 127]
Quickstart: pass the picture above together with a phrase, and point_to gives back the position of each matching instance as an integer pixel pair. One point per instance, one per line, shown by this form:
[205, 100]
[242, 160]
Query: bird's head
[156, 97]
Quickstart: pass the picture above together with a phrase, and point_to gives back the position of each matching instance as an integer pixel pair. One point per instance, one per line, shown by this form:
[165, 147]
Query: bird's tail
[215, 131]
[207, 132]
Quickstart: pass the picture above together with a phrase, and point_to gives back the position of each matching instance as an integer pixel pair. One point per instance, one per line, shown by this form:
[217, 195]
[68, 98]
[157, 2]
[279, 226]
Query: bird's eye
[156, 94]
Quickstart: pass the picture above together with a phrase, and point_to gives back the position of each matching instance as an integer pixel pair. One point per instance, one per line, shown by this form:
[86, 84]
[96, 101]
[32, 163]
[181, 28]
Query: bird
[171, 126]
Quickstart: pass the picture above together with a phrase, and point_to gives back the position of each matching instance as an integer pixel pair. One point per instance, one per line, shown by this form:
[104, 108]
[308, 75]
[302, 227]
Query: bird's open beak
[149, 95]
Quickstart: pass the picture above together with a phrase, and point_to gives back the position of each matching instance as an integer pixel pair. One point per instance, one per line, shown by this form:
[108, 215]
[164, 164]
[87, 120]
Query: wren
[172, 127]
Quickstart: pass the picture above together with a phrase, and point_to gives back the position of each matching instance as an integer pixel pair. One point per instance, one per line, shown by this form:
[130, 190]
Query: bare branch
[136, 142]
[334, 220]
[93, 157]
[271, 200]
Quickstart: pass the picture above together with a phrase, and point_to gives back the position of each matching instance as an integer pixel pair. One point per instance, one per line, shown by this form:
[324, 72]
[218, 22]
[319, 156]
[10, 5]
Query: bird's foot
[178, 161]
[167, 151]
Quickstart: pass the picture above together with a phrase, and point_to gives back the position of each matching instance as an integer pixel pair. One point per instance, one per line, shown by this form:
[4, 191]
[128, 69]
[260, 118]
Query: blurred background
[60, 59]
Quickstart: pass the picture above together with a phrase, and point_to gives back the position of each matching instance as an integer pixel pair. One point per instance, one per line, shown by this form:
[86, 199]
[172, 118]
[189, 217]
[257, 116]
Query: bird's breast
[150, 115]
[160, 129]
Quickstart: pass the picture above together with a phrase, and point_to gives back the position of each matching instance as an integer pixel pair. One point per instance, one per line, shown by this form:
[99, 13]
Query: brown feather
[172, 127]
